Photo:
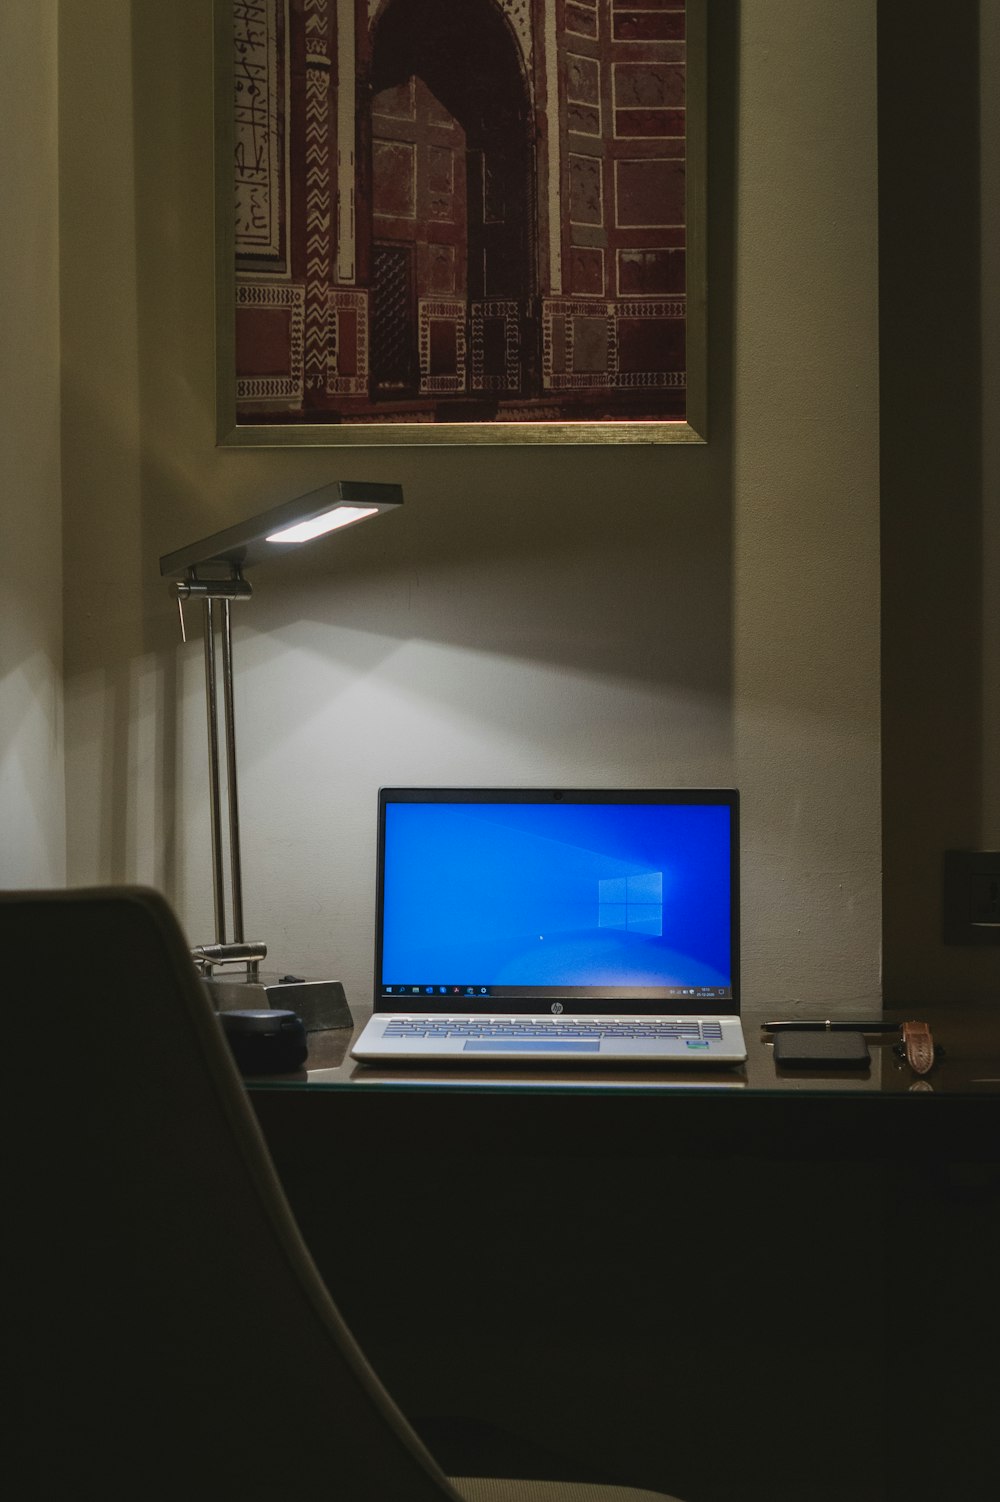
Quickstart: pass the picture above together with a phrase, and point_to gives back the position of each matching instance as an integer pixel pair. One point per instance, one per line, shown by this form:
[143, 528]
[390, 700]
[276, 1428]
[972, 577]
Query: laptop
[560, 927]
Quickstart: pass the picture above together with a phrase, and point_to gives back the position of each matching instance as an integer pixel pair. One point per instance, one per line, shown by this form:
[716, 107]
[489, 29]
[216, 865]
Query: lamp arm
[223, 591]
[193, 588]
[208, 955]
[235, 860]
[215, 802]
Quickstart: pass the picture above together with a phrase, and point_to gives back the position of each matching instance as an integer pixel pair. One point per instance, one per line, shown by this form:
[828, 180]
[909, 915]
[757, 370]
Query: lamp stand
[321, 1004]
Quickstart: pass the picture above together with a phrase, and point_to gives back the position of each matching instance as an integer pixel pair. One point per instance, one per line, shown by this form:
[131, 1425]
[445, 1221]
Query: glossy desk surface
[816, 1244]
[969, 1066]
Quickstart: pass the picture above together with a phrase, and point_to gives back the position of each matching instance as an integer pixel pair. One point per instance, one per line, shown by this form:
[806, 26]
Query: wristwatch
[918, 1046]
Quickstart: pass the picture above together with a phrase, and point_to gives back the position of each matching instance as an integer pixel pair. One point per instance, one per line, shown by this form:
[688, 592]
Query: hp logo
[557, 1007]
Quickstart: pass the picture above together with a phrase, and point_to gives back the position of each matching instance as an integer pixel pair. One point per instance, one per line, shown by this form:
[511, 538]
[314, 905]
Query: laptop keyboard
[518, 1028]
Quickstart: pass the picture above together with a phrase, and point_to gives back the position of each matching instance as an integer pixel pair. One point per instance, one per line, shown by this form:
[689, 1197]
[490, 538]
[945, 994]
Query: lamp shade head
[338, 504]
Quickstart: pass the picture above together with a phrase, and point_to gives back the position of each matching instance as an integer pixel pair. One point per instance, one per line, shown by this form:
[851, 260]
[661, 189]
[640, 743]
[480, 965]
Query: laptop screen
[497, 899]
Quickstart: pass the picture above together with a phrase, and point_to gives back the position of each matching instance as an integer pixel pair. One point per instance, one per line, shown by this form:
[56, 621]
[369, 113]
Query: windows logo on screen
[632, 903]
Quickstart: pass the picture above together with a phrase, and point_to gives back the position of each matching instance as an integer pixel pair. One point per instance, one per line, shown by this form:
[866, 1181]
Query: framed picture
[460, 221]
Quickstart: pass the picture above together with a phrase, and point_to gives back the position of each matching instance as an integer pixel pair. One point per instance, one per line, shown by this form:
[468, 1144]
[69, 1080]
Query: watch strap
[918, 1046]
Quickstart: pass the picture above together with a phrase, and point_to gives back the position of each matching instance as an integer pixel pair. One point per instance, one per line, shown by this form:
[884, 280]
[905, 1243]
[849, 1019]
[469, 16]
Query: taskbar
[443, 993]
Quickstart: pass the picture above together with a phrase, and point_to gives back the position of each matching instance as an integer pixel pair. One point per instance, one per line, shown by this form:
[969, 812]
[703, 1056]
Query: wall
[554, 616]
[32, 807]
[989, 406]
[940, 317]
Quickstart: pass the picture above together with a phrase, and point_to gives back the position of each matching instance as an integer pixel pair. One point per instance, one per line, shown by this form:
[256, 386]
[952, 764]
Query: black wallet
[808, 1050]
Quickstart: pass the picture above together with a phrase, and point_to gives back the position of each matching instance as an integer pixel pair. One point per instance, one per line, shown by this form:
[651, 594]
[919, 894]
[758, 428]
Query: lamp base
[321, 1004]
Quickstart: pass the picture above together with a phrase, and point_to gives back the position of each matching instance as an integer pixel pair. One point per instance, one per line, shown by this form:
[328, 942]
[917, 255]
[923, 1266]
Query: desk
[594, 1261]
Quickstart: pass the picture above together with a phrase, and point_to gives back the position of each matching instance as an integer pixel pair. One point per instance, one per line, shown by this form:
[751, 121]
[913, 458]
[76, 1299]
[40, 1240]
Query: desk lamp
[212, 571]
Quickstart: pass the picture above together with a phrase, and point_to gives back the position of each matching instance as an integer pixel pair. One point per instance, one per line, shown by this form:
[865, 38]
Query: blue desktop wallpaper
[565, 894]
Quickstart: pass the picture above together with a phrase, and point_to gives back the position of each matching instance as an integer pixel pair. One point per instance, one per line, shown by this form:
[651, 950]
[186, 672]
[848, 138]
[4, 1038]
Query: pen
[830, 1026]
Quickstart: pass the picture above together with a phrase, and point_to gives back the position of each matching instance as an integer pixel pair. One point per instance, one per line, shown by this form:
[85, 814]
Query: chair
[168, 1335]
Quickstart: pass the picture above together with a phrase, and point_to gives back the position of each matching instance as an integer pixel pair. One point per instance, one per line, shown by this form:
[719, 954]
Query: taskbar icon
[438, 992]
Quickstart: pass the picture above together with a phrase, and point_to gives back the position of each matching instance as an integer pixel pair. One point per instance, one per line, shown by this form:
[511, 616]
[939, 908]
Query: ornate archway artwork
[460, 221]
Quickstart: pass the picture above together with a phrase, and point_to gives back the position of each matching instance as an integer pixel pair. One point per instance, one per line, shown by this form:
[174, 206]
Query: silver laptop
[567, 927]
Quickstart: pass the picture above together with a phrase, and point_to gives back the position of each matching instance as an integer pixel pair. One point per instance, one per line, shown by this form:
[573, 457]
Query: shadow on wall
[124, 747]
[932, 489]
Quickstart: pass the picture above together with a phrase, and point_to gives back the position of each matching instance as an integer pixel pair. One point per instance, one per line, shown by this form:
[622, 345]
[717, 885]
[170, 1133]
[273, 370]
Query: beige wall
[32, 808]
[561, 616]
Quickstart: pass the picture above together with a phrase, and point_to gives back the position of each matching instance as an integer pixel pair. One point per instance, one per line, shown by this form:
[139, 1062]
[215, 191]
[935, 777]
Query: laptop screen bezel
[594, 1001]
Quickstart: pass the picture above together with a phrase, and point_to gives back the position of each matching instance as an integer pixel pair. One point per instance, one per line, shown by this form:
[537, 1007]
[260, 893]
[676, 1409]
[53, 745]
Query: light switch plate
[971, 897]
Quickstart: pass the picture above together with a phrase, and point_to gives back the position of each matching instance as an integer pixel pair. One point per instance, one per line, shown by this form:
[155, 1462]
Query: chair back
[167, 1332]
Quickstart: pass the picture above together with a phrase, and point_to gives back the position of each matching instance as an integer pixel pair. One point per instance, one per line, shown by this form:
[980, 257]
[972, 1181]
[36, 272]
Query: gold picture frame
[333, 265]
